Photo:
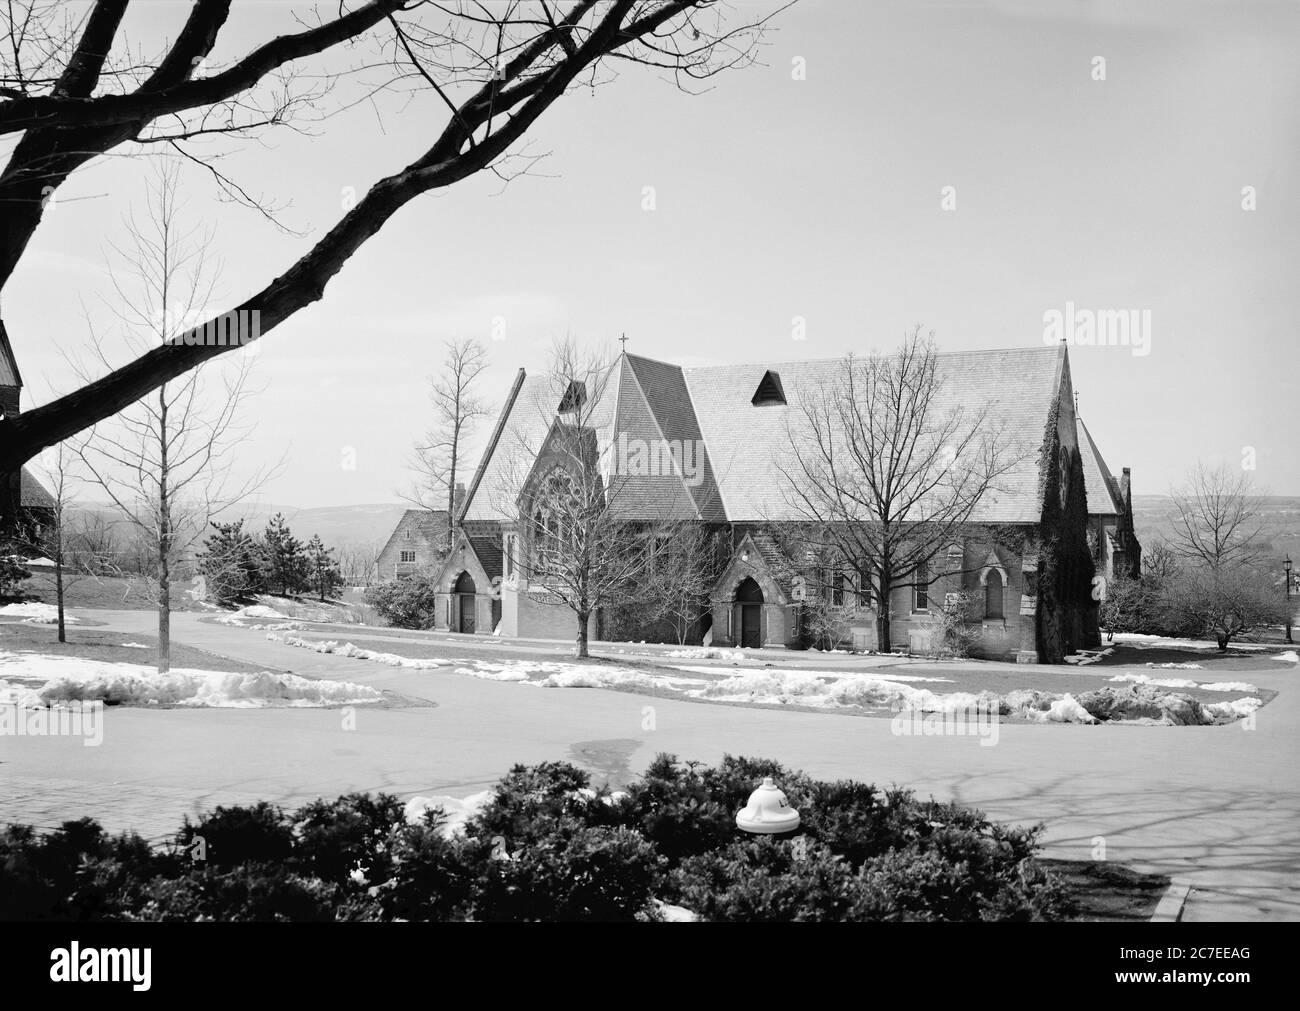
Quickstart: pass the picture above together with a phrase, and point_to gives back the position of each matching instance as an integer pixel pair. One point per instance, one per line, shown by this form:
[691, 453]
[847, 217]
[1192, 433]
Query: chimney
[458, 501]
[1124, 487]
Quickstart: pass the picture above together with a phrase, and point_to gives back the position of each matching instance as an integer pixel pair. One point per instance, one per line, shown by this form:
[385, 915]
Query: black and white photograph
[648, 461]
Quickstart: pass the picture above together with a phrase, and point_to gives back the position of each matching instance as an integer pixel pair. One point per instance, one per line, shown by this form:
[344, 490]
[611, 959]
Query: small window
[837, 590]
[993, 595]
[406, 534]
[510, 556]
[770, 391]
[408, 556]
[921, 593]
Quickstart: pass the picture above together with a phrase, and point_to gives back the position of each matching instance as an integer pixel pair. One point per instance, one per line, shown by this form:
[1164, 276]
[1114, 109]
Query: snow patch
[50, 679]
[356, 652]
[33, 612]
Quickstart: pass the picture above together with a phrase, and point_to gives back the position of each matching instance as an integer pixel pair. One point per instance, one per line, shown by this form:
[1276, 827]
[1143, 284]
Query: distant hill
[338, 526]
[1153, 517]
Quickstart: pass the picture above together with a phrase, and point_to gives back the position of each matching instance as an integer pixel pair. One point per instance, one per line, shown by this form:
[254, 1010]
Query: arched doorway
[464, 592]
[748, 619]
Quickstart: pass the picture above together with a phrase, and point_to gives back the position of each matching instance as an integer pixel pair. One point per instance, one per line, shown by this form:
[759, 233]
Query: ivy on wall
[1066, 609]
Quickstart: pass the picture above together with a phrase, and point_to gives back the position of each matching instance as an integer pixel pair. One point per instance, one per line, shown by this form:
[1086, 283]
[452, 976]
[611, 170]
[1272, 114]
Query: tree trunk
[882, 616]
[164, 542]
[58, 588]
[1223, 643]
[583, 616]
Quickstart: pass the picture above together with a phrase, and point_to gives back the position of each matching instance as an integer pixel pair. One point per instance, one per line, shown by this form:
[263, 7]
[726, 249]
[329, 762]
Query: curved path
[1218, 806]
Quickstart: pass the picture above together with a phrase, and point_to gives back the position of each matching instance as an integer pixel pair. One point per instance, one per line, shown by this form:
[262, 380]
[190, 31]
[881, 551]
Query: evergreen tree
[325, 575]
[287, 566]
[231, 562]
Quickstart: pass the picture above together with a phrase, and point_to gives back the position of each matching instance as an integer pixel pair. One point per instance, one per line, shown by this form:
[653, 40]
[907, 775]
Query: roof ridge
[774, 363]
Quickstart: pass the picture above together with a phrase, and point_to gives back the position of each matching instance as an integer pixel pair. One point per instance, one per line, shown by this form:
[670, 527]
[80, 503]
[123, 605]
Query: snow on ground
[1161, 642]
[1176, 666]
[1289, 656]
[259, 617]
[134, 645]
[42, 679]
[1216, 686]
[1141, 699]
[36, 613]
[1087, 656]
[357, 653]
[708, 653]
[548, 674]
[458, 811]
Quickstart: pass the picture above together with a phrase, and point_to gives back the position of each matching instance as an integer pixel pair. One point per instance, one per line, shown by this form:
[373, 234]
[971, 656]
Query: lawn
[91, 644]
[112, 593]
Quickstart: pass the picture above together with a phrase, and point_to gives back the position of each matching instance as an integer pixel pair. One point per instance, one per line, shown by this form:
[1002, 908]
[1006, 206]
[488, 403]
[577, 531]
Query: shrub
[241, 894]
[76, 872]
[575, 873]
[336, 838]
[405, 603]
[231, 836]
[548, 847]
[433, 878]
[764, 881]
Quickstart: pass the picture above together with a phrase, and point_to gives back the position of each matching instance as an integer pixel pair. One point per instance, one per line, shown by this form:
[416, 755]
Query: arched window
[993, 595]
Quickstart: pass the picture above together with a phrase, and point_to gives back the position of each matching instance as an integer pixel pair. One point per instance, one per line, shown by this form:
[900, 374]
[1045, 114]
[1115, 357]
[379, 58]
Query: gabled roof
[431, 522]
[32, 494]
[1098, 484]
[9, 374]
[747, 446]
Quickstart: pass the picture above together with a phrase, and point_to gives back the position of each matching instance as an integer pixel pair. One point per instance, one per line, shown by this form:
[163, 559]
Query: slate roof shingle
[746, 446]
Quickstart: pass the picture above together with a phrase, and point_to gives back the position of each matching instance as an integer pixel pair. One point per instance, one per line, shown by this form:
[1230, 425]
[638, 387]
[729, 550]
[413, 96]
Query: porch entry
[465, 595]
[747, 614]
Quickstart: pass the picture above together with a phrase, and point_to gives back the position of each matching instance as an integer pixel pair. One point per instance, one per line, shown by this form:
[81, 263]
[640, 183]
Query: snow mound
[69, 679]
[134, 645]
[458, 811]
[36, 613]
[1146, 703]
[708, 653]
[357, 653]
[1290, 656]
[1214, 686]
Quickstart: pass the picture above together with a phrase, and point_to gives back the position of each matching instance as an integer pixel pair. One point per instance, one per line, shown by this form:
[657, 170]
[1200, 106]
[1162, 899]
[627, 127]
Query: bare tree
[55, 539]
[455, 411]
[684, 565]
[73, 95]
[1225, 603]
[1159, 563]
[884, 473]
[1219, 519]
[357, 562]
[166, 463]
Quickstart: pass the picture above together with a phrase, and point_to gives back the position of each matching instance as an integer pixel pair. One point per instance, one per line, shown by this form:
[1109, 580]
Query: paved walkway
[1219, 806]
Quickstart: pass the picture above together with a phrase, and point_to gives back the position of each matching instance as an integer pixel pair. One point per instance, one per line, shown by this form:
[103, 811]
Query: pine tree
[288, 567]
[231, 562]
[325, 575]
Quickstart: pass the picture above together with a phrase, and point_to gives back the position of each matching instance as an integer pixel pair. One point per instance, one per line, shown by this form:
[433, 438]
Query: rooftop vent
[574, 397]
[769, 391]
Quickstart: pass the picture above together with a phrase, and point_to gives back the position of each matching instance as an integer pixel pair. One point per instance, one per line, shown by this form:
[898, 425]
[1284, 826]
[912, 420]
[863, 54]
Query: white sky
[778, 198]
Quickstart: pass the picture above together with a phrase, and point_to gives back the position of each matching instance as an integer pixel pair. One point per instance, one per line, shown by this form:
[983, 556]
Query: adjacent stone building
[1028, 556]
[417, 544]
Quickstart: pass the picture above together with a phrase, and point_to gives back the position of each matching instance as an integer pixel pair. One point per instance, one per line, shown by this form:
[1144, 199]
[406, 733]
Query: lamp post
[1286, 568]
